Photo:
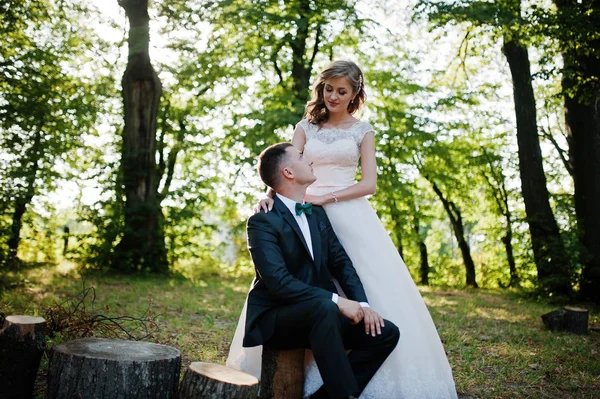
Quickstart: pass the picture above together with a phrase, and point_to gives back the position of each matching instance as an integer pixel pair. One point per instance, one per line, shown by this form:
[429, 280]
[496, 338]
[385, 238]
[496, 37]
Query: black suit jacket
[285, 271]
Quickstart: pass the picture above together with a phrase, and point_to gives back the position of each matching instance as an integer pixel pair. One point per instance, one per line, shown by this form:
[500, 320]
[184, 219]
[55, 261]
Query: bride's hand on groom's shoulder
[266, 204]
[373, 322]
[351, 309]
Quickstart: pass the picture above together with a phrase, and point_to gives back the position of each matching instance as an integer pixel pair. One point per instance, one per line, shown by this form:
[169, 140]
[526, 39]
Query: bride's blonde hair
[316, 112]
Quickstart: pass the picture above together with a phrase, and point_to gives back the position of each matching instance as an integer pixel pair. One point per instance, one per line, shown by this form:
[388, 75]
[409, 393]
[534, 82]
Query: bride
[335, 140]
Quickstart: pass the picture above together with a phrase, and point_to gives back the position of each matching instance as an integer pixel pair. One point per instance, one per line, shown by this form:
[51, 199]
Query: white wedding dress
[418, 367]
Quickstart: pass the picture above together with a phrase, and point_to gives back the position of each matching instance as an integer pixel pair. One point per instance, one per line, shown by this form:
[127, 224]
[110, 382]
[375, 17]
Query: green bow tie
[307, 207]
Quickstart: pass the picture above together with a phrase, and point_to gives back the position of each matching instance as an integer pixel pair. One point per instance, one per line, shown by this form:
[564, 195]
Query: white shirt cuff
[334, 298]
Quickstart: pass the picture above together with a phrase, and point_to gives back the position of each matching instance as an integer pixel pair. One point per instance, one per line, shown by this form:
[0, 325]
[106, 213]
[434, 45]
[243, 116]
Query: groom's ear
[287, 173]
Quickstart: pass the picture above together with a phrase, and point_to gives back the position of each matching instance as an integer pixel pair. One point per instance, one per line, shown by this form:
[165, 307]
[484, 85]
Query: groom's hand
[351, 309]
[373, 322]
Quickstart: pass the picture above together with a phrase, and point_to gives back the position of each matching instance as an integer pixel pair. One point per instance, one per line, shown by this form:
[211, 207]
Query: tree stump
[112, 368]
[571, 319]
[22, 343]
[214, 381]
[282, 374]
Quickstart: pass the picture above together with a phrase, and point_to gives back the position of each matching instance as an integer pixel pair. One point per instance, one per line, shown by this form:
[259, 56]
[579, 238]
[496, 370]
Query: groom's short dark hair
[270, 163]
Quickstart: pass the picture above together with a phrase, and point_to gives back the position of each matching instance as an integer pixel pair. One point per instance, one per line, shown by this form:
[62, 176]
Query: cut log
[571, 319]
[22, 343]
[576, 320]
[554, 320]
[112, 368]
[214, 381]
[282, 374]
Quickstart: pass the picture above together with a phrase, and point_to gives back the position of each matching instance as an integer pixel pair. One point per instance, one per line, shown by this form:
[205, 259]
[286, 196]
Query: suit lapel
[291, 220]
[315, 238]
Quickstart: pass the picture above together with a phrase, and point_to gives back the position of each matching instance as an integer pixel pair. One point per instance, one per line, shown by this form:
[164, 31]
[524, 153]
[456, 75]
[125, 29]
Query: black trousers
[318, 325]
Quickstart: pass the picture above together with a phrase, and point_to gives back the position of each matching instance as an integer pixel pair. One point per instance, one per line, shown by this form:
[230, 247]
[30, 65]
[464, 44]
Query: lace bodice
[334, 152]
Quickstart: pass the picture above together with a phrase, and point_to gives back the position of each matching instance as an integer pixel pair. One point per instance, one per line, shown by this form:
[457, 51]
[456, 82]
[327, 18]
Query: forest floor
[495, 340]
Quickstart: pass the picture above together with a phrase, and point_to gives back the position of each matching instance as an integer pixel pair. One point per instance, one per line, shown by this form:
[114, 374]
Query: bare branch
[203, 90]
[172, 160]
[274, 58]
[462, 55]
[160, 144]
[495, 190]
[315, 48]
[561, 152]
[72, 319]
[499, 190]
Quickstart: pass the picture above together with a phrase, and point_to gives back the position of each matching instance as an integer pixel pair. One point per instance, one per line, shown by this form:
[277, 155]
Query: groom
[293, 301]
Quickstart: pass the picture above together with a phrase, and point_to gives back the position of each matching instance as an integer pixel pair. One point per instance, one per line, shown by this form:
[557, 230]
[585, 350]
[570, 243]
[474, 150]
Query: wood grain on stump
[569, 318]
[112, 368]
[22, 343]
[214, 381]
[282, 373]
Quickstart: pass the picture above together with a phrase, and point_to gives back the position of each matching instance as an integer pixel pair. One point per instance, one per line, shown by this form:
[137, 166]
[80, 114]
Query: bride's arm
[366, 186]
[299, 138]
[298, 141]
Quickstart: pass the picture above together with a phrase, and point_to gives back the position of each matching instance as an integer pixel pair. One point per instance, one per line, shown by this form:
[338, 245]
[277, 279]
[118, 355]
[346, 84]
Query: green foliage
[435, 141]
[529, 24]
[265, 53]
[573, 27]
[236, 75]
[239, 76]
[47, 108]
[570, 28]
[101, 225]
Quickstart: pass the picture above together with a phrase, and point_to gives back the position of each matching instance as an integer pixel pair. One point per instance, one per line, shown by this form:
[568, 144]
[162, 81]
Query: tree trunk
[302, 68]
[424, 267]
[507, 240]
[112, 368]
[282, 373]
[22, 343]
[498, 187]
[33, 159]
[395, 214]
[399, 246]
[580, 85]
[214, 381]
[554, 272]
[15, 229]
[143, 243]
[459, 232]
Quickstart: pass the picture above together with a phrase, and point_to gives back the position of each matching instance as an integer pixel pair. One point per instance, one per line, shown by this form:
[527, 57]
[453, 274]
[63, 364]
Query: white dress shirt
[303, 223]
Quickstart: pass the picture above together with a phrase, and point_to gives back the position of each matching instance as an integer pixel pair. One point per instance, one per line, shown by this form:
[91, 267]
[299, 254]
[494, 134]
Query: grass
[495, 340]
[499, 348]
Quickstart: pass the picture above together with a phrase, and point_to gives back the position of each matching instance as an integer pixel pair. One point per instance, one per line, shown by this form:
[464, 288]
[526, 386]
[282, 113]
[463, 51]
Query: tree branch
[160, 145]
[72, 319]
[494, 191]
[462, 55]
[203, 90]
[172, 158]
[315, 48]
[499, 192]
[561, 153]
[274, 59]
